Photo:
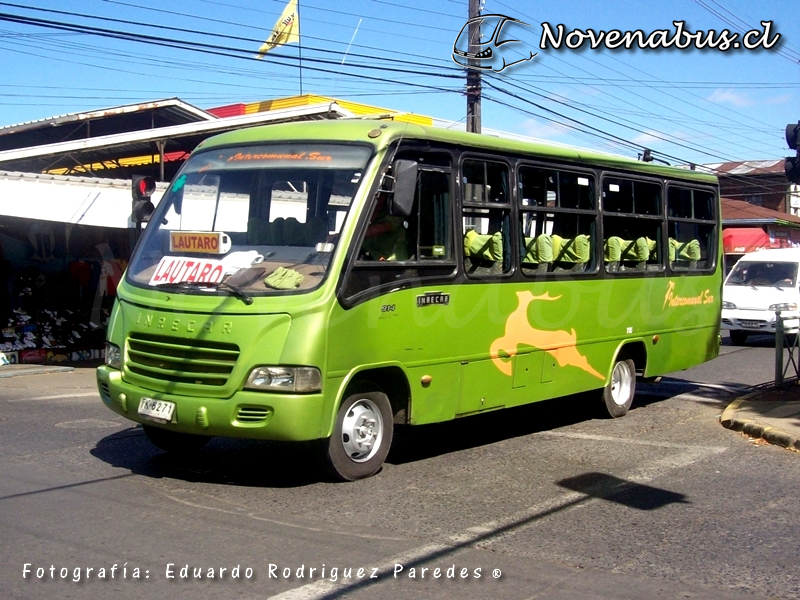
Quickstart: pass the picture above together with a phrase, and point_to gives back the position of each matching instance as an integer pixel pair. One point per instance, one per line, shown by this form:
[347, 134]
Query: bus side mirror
[405, 187]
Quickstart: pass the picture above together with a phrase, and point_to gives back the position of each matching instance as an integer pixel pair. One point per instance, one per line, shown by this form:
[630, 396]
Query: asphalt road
[540, 502]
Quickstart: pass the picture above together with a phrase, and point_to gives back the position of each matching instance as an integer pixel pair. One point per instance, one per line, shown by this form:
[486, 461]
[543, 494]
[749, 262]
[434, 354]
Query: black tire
[738, 337]
[618, 394]
[362, 436]
[173, 441]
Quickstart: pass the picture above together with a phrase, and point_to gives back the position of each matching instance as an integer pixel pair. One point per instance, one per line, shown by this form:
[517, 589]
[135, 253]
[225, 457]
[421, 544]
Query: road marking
[89, 424]
[56, 397]
[509, 525]
[484, 534]
[623, 440]
[325, 588]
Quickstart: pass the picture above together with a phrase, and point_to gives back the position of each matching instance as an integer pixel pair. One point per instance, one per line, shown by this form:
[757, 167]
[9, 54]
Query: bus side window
[424, 235]
[422, 251]
[557, 221]
[485, 217]
[691, 228]
[632, 225]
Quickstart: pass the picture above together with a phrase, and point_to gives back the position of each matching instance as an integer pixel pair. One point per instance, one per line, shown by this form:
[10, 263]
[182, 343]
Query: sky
[686, 105]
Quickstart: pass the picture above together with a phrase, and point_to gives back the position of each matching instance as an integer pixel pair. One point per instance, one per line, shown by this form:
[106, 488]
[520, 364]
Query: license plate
[749, 323]
[157, 410]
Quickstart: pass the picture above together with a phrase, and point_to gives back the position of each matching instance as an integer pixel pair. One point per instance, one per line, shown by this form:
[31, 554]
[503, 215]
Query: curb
[772, 435]
[34, 370]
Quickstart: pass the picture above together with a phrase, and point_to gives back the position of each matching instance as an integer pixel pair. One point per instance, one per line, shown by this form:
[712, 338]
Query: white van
[761, 283]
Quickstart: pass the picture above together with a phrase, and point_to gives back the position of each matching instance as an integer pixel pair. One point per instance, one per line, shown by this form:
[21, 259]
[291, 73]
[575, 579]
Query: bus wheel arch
[392, 381]
[363, 427]
[618, 394]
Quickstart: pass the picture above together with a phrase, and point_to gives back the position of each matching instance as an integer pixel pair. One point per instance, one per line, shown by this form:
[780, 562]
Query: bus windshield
[256, 220]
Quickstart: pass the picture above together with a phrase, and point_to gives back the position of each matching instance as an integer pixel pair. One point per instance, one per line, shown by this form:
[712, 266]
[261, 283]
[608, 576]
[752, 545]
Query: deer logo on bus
[562, 345]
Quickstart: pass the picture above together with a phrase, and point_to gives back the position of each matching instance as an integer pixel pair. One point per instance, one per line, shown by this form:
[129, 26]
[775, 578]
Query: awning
[740, 240]
[78, 200]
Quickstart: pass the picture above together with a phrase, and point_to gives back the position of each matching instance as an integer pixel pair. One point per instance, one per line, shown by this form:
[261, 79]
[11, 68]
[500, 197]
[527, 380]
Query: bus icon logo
[494, 51]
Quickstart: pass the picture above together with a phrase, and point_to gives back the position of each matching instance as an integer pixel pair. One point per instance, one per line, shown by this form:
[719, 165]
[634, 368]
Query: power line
[671, 108]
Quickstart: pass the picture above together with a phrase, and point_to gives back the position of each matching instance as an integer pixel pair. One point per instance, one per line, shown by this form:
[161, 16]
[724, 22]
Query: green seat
[483, 253]
[293, 232]
[617, 250]
[539, 251]
[576, 251]
[684, 252]
[258, 231]
[261, 231]
[483, 246]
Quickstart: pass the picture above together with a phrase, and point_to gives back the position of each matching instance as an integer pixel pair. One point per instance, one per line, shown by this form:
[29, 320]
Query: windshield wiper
[235, 291]
[222, 285]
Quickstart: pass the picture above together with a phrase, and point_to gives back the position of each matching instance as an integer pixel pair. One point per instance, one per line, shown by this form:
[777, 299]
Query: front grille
[252, 414]
[105, 392]
[181, 360]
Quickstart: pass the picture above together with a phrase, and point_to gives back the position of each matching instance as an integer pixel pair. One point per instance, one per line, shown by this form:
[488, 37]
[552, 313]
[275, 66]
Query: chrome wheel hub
[621, 384]
[362, 431]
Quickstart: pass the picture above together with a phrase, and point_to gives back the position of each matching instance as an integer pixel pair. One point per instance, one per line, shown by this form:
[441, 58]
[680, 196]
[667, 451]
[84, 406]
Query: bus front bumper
[247, 414]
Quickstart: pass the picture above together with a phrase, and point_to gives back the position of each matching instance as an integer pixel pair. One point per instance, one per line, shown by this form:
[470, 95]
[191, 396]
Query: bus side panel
[681, 350]
[434, 402]
[501, 344]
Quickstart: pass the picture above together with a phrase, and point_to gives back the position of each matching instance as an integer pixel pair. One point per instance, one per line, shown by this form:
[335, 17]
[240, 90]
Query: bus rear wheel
[361, 437]
[174, 441]
[618, 394]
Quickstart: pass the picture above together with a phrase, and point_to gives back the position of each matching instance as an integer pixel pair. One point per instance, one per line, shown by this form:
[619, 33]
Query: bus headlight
[285, 379]
[782, 306]
[729, 305]
[113, 356]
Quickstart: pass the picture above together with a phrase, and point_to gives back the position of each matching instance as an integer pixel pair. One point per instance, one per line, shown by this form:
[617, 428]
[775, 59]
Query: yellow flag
[286, 31]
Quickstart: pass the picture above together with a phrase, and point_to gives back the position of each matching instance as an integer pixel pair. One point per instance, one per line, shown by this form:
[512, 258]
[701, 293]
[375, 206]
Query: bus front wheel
[173, 441]
[618, 394]
[361, 437]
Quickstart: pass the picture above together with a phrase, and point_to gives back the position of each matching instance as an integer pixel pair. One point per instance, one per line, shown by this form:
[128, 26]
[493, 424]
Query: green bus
[329, 280]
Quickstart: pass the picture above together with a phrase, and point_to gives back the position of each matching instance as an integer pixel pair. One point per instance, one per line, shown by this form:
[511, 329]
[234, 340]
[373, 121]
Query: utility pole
[474, 74]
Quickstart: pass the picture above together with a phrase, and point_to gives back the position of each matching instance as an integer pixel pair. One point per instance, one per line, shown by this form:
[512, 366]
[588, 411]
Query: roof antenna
[648, 157]
[344, 58]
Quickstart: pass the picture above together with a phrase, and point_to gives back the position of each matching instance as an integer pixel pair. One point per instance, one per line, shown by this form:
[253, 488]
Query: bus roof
[363, 130]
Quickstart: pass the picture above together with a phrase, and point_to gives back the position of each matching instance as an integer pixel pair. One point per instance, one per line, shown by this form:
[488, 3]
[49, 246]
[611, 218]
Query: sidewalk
[771, 413]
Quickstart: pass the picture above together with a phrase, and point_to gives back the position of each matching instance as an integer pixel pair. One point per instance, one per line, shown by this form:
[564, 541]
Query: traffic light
[142, 188]
[792, 163]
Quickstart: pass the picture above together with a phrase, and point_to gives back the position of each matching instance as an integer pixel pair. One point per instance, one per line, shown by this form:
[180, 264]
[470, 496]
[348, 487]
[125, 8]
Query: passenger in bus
[385, 238]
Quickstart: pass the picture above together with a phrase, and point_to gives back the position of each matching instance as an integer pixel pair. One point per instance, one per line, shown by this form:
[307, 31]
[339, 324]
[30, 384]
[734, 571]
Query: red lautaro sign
[177, 269]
